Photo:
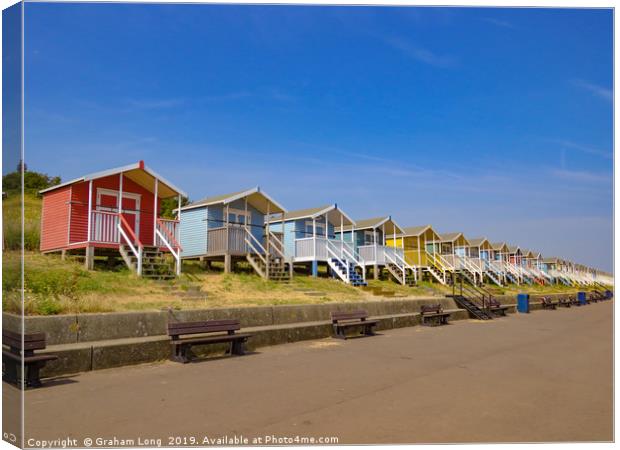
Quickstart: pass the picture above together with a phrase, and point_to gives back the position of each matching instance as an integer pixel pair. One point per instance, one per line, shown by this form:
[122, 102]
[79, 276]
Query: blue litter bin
[523, 303]
[609, 294]
[581, 296]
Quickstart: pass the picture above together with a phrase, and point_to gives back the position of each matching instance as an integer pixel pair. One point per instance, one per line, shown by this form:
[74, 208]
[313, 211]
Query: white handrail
[353, 254]
[350, 251]
[402, 267]
[512, 268]
[279, 251]
[175, 255]
[138, 254]
[438, 259]
[334, 254]
[468, 265]
[251, 245]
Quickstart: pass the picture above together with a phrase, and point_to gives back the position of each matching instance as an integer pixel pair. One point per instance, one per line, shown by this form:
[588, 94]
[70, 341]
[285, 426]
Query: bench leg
[237, 348]
[10, 371]
[179, 354]
[339, 333]
[367, 330]
[33, 378]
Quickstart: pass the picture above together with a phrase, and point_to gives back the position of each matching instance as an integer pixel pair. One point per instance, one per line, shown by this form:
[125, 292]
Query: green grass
[54, 286]
[11, 215]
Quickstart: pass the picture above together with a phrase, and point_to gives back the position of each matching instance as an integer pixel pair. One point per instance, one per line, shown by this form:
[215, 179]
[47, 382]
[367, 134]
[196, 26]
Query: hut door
[131, 214]
[107, 200]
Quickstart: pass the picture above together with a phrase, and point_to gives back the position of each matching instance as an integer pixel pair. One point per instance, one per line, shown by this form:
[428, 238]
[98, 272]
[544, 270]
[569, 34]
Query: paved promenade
[546, 376]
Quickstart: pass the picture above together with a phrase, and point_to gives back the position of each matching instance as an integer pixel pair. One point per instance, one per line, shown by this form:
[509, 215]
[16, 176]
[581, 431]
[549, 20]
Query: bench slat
[209, 326]
[176, 325]
[431, 309]
[27, 336]
[28, 359]
[359, 323]
[31, 341]
[349, 315]
[212, 339]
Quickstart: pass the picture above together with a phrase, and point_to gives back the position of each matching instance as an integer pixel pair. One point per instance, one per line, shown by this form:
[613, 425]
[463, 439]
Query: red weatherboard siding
[79, 212]
[55, 219]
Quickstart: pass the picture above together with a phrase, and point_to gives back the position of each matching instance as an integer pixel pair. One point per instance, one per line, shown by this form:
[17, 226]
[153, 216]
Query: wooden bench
[565, 302]
[181, 346]
[594, 297]
[14, 349]
[496, 307]
[599, 296]
[433, 315]
[342, 321]
[573, 300]
[547, 303]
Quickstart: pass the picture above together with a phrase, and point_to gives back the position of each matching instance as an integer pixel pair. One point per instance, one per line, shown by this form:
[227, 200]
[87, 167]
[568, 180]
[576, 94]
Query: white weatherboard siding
[288, 238]
[194, 232]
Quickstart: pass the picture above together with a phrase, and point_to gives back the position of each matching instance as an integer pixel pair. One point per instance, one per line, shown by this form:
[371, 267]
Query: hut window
[320, 229]
[238, 217]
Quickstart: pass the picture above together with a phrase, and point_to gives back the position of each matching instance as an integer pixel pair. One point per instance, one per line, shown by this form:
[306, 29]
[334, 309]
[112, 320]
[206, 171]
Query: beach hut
[549, 265]
[420, 245]
[369, 239]
[232, 228]
[480, 254]
[453, 250]
[532, 263]
[499, 251]
[309, 239]
[499, 255]
[574, 274]
[515, 264]
[114, 212]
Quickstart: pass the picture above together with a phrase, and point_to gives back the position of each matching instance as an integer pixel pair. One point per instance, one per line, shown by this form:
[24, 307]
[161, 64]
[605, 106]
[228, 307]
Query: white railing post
[314, 238]
[139, 261]
[155, 212]
[90, 209]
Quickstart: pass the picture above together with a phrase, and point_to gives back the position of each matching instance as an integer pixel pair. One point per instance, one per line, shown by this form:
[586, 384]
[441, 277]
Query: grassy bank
[54, 286]
[11, 221]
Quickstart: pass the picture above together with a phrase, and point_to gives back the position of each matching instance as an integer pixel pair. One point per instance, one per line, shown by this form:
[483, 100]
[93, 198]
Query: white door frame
[113, 193]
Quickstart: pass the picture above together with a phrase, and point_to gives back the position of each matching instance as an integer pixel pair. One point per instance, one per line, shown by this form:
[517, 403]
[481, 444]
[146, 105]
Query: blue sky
[494, 122]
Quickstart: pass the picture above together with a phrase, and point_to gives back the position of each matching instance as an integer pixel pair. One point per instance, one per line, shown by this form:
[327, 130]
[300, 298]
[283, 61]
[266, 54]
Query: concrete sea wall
[95, 341]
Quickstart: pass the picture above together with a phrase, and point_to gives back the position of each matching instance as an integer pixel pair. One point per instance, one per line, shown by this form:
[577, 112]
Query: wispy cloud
[421, 54]
[155, 103]
[595, 89]
[582, 148]
[498, 22]
[228, 96]
[580, 176]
